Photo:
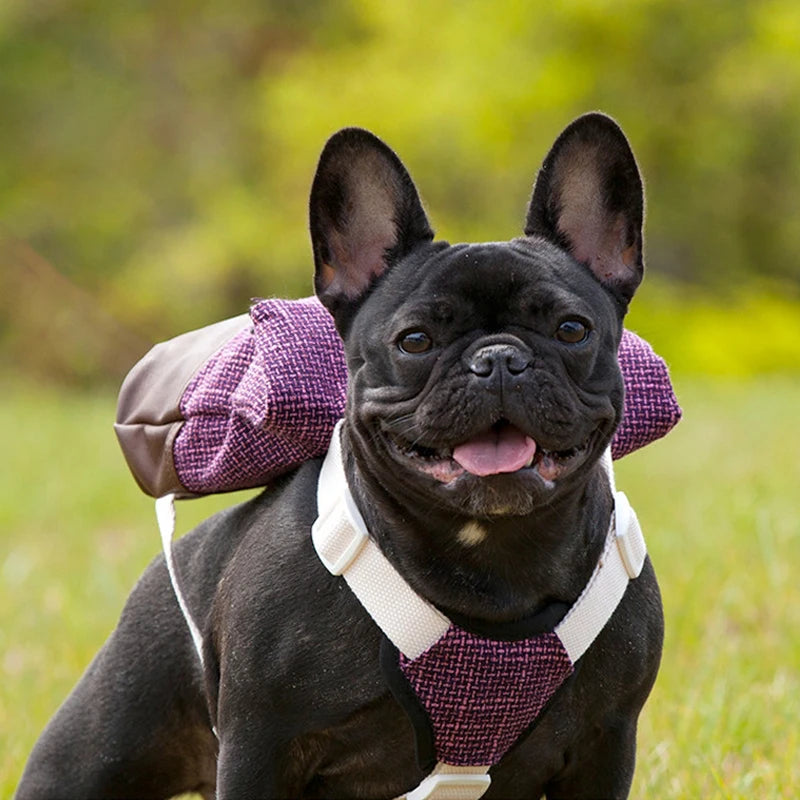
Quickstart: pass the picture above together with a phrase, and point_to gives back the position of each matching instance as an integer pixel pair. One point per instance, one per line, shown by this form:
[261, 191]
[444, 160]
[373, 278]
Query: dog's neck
[495, 570]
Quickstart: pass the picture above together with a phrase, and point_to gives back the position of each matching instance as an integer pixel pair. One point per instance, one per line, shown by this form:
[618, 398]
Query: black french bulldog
[483, 390]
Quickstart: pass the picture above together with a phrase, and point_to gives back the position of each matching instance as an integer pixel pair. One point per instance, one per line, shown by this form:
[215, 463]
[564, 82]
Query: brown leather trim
[152, 390]
[148, 408]
[148, 451]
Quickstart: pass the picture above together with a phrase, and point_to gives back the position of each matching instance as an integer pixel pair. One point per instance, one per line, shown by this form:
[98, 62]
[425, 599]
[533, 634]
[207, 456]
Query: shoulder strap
[343, 545]
[165, 514]
[621, 561]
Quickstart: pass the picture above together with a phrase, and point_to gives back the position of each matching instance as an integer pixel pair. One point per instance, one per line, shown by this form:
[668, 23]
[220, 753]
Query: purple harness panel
[482, 694]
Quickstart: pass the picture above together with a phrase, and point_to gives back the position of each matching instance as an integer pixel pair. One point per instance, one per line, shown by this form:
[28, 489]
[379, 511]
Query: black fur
[293, 682]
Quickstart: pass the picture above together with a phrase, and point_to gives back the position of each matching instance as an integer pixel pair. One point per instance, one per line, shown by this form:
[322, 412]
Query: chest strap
[414, 625]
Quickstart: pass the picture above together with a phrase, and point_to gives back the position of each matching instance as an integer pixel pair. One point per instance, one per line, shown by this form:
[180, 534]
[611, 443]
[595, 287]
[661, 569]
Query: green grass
[718, 500]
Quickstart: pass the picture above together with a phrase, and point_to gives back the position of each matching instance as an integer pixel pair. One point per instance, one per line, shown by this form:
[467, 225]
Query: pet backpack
[233, 405]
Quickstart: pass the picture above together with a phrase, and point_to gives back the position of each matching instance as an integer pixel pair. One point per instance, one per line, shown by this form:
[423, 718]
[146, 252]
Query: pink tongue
[490, 453]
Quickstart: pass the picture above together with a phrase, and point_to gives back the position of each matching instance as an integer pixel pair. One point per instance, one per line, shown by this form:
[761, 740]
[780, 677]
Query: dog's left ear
[588, 199]
[365, 214]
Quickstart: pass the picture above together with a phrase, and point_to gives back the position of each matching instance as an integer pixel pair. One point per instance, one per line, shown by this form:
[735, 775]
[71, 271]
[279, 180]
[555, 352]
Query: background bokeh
[155, 163]
[157, 156]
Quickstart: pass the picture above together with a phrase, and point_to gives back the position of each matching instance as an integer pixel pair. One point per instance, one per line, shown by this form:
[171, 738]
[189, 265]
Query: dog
[483, 392]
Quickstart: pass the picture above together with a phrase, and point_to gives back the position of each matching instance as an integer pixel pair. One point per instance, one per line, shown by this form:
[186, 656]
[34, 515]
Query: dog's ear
[588, 199]
[365, 214]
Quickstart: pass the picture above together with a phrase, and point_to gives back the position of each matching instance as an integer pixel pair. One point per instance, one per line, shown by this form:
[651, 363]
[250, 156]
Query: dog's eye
[572, 331]
[415, 342]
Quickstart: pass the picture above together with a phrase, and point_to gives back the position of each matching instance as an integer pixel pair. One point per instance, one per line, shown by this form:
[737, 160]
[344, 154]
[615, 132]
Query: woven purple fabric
[265, 403]
[268, 400]
[482, 694]
[651, 408]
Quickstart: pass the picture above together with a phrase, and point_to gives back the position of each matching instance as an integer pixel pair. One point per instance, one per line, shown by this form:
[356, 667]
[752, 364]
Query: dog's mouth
[501, 449]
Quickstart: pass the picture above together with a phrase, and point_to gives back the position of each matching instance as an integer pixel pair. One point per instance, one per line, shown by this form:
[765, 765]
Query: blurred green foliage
[158, 156]
[749, 331]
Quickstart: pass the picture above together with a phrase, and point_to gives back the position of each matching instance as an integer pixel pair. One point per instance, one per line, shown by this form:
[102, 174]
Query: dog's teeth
[529, 462]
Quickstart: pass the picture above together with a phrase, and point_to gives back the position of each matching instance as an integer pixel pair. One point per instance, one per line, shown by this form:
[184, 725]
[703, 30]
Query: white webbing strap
[621, 561]
[165, 514]
[342, 542]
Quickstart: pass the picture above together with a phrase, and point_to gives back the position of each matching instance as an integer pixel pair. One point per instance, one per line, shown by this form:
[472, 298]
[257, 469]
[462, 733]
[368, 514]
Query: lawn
[718, 500]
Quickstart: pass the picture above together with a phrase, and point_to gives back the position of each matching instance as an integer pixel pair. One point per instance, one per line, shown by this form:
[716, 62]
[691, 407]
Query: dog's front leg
[248, 765]
[602, 767]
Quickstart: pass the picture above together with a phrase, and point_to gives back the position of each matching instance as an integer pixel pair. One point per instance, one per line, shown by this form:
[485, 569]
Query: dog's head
[483, 377]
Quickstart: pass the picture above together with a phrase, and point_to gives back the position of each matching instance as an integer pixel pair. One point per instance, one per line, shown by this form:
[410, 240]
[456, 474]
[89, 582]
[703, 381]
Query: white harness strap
[165, 514]
[621, 561]
[342, 542]
[413, 625]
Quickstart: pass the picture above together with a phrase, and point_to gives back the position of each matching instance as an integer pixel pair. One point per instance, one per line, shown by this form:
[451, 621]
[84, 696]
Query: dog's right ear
[365, 214]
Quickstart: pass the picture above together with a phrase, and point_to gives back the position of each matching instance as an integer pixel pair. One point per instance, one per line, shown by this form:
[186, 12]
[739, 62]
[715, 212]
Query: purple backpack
[234, 405]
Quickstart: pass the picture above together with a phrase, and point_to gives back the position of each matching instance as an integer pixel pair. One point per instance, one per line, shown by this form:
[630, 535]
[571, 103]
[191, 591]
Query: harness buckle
[336, 540]
[463, 785]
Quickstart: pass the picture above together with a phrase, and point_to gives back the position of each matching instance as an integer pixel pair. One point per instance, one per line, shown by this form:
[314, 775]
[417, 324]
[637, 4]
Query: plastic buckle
[463, 785]
[336, 540]
[630, 542]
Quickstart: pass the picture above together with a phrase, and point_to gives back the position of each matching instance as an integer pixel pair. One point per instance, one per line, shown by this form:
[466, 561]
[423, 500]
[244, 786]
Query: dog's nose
[493, 357]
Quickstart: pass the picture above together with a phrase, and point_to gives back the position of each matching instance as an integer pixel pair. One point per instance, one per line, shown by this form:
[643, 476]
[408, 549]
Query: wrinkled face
[484, 377]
